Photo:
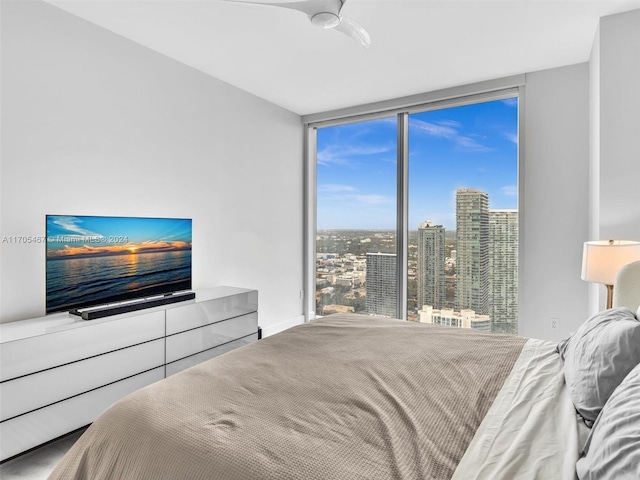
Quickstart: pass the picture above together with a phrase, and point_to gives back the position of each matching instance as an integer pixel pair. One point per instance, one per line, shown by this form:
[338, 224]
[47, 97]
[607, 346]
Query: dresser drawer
[210, 311]
[30, 392]
[32, 429]
[179, 365]
[58, 373]
[203, 338]
[33, 354]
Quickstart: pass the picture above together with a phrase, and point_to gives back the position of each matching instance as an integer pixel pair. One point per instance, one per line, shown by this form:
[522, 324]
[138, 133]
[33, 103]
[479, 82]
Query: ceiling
[417, 46]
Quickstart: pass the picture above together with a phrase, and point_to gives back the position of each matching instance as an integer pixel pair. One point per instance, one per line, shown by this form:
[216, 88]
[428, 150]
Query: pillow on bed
[598, 357]
[613, 447]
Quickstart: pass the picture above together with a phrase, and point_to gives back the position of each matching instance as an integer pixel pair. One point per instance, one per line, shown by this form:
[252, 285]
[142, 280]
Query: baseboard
[279, 327]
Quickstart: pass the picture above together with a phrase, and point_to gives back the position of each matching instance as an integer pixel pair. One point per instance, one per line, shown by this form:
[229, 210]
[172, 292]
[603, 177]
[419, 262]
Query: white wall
[594, 160]
[556, 196]
[619, 77]
[582, 172]
[615, 133]
[94, 124]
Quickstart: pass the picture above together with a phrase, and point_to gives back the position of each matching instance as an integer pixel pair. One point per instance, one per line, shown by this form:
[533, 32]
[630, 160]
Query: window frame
[487, 91]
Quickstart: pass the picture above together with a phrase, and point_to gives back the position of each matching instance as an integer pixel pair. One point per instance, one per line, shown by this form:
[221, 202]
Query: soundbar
[91, 313]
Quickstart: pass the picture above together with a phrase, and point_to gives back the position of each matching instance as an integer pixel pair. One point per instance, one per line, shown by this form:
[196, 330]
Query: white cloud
[335, 187]
[433, 129]
[511, 102]
[348, 194]
[449, 129]
[72, 225]
[372, 199]
[509, 190]
[470, 144]
[393, 121]
[339, 155]
[512, 137]
[449, 123]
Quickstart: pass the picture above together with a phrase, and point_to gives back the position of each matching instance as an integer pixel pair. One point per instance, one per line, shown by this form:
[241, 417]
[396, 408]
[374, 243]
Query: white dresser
[58, 373]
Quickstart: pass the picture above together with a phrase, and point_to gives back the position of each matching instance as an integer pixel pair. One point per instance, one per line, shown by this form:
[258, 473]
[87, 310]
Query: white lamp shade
[601, 259]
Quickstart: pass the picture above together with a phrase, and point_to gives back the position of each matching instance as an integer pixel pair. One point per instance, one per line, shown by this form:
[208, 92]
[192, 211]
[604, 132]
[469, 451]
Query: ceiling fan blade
[354, 30]
[322, 13]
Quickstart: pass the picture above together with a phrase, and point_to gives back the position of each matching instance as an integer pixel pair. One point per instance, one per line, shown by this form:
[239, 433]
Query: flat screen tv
[93, 260]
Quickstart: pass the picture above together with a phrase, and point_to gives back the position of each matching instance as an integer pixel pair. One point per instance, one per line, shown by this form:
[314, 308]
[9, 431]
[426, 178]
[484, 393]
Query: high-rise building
[381, 284]
[431, 265]
[503, 269]
[472, 250]
[450, 318]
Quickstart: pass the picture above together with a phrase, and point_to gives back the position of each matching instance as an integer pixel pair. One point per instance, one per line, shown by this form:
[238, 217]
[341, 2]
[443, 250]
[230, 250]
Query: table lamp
[601, 260]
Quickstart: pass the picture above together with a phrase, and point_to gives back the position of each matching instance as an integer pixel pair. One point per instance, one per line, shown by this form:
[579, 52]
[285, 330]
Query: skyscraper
[472, 250]
[431, 265]
[503, 269]
[381, 284]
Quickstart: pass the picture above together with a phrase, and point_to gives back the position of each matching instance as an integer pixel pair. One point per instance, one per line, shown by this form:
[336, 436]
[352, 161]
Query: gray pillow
[613, 447]
[598, 357]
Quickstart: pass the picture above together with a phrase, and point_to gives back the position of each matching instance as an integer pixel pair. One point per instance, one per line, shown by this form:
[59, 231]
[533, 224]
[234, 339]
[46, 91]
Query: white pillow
[598, 357]
[613, 447]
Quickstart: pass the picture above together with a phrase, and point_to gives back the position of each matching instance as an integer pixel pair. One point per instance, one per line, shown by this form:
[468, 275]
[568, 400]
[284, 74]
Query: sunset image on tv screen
[97, 260]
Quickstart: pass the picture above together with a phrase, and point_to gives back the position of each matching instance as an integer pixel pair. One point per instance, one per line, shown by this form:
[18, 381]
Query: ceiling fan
[325, 14]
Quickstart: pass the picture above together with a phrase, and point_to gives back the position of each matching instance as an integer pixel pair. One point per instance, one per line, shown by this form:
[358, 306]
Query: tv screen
[95, 260]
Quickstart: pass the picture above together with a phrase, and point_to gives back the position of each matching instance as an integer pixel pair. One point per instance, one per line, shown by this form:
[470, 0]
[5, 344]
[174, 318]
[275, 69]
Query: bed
[350, 396]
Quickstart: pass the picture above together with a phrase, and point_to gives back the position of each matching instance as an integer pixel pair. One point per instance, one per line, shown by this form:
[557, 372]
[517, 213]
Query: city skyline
[476, 286]
[471, 146]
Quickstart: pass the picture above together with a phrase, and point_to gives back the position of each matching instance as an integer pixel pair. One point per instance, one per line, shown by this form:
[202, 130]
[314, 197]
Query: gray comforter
[343, 397]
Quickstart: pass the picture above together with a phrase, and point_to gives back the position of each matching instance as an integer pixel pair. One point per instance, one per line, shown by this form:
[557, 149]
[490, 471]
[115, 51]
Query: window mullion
[402, 217]
[310, 215]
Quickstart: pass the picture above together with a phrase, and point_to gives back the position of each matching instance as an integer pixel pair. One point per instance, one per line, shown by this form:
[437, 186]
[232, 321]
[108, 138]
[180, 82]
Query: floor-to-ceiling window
[356, 218]
[463, 216]
[457, 250]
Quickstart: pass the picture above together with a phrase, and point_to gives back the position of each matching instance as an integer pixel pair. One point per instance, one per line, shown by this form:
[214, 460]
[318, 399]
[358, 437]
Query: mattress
[344, 397]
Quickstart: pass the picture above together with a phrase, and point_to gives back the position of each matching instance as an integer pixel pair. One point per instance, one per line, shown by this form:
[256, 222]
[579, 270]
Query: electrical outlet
[554, 323]
[301, 294]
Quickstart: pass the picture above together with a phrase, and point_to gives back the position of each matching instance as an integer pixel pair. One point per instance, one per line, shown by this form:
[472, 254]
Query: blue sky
[472, 146]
